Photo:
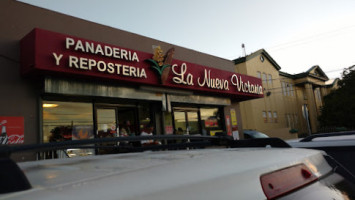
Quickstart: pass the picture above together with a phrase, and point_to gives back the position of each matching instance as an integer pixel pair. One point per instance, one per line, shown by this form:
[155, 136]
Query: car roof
[193, 174]
[336, 139]
[323, 143]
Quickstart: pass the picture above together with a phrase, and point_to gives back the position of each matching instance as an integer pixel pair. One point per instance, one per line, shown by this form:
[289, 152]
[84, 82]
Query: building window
[291, 89]
[275, 117]
[264, 116]
[288, 120]
[264, 80]
[67, 121]
[288, 89]
[270, 116]
[284, 88]
[270, 80]
[258, 74]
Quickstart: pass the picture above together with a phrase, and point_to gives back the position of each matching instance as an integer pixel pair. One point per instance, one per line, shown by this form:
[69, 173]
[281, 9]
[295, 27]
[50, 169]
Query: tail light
[283, 181]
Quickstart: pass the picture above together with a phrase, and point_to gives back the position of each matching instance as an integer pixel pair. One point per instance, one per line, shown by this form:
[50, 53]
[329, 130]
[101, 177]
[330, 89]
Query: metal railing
[322, 135]
[64, 149]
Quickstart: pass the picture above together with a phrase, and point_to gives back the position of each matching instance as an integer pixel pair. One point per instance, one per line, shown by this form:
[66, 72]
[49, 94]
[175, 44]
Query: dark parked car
[248, 134]
[254, 134]
[339, 145]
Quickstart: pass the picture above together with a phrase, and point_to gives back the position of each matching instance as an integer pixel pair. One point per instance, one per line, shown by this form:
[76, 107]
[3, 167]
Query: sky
[297, 34]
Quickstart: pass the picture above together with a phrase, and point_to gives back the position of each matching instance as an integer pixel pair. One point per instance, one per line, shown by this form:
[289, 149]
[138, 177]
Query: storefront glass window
[210, 117]
[193, 127]
[106, 123]
[180, 122]
[202, 121]
[67, 121]
[211, 120]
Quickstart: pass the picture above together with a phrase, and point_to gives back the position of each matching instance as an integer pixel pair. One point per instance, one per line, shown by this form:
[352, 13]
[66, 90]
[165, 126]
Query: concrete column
[233, 118]
[312, 107]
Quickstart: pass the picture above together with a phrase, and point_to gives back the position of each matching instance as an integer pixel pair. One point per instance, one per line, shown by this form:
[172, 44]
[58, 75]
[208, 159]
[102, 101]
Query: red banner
[12, 130]
[58, 54]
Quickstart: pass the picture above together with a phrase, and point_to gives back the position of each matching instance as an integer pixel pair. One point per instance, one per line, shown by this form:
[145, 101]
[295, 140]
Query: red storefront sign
[52, 53]
[12, 130]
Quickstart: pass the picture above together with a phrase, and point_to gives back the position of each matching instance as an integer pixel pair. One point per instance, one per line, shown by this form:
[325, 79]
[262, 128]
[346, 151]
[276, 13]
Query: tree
[339, 105]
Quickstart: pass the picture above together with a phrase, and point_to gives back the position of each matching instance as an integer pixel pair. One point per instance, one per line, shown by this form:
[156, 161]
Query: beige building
[287, 98]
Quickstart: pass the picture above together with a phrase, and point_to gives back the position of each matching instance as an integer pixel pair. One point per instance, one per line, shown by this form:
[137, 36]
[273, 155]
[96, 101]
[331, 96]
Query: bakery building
[64, 78]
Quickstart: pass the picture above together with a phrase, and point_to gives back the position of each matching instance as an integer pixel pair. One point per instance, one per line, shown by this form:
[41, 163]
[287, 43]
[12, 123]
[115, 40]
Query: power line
[309, 39]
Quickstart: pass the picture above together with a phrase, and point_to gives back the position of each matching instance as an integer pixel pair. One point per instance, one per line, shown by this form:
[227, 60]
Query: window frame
[264, 115]
[270, 80]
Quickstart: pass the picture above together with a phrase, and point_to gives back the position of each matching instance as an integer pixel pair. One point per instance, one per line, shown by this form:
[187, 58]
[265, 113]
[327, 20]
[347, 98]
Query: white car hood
[195, 174]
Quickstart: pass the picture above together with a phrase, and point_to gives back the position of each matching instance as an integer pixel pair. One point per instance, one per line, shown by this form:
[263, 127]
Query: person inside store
[179, 131]
[148, 131]
[126, 129]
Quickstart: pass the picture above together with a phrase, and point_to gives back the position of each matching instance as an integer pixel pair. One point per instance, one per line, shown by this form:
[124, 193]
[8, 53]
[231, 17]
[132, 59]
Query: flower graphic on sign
[162, 63]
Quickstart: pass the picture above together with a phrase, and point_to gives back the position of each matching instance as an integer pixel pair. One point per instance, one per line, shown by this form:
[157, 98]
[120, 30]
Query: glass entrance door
[186, 122]
[115, 121]
[127, 121]
[193, 125]
[106, 122]
[106, 127]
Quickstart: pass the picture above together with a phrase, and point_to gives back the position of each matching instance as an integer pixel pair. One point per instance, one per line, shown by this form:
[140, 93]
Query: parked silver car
[252, 172]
